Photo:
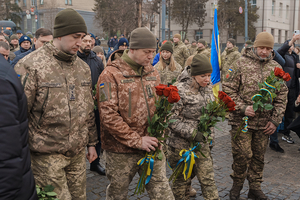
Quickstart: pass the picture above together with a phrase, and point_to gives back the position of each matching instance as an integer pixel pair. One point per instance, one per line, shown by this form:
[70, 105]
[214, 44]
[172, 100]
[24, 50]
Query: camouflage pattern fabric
[66, 174]
[203, 170]
[228, 57]
[187, 111]
[166, 75]
[120, 170]
[192, 49]
[125, 99]
[180, 53]
[248, 150]
[60, 103]
[203, 51]
[241, 85]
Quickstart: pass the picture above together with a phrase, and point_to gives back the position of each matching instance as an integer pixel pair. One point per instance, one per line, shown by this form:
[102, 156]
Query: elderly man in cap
[228, 57]
[181, 52]
[61, 108]
[25, 45]
[126, 98]
[240, 84]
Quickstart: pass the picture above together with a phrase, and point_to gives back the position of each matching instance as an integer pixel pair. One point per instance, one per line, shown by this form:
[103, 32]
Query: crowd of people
[62, 95]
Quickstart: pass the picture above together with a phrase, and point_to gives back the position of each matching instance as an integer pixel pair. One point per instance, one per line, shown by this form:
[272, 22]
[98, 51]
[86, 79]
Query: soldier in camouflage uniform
[181, 52]
[248, 148]
[167, 67]
[195, 92]
[126, 97]
[193, 48]
[202, 44]
[228, 57]
[60, 108]
[248, 44]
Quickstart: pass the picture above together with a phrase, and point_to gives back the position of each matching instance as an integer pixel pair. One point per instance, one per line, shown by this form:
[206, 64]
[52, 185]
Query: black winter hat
[167, 46]
[200, 65]
[68, 21]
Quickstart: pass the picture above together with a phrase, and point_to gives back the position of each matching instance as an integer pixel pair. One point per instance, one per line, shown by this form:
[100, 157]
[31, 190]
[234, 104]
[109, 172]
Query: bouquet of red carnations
[266, 94]
[168, 95]
[214, 112]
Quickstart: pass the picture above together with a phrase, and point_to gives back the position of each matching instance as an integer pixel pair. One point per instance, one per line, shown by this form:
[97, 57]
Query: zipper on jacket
[46, 98]
[25, 79]
[67, 87]
[129, 109]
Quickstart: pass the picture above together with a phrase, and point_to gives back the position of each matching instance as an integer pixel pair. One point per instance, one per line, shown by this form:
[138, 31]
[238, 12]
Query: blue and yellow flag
[215, 58]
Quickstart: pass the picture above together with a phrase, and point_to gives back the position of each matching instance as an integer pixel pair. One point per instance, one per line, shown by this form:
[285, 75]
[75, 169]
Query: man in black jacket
[16, 178]
[291, 60]
[96, 66]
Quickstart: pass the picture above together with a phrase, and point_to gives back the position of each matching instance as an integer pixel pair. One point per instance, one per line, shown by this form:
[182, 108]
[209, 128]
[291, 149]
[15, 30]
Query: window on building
[33, 24]
[253, 3]
[41, 21]
[66, 2]
[279, 36]
[280, 10]
[286, 35]
[287, 12]
[25, 24]
[24, 2]
[273, 7]
[198, 34]
[17, 1]
[272, 32]
[70, 2]
[42, 2]
[32, 2]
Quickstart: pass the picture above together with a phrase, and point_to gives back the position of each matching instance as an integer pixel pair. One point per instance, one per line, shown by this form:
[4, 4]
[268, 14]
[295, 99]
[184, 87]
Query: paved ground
[281, 177]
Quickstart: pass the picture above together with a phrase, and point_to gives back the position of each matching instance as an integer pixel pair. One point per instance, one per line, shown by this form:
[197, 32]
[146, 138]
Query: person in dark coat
[42, 36]
[121, 45]
[25, 45]
[16, 178]
[96, 66]
[291, 60]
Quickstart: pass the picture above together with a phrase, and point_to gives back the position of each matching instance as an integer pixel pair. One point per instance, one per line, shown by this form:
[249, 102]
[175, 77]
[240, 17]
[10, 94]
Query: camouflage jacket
[125, 100]
[192, 49]
[187, 111]
[204, 52]
[166, 75]
[228, 57]
[241, 85]
[60, 103]
[180, 53]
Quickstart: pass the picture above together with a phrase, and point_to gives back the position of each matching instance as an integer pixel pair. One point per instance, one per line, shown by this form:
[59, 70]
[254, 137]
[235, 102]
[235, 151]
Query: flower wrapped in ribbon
[168, 95]
[214, 112]
[264, 98]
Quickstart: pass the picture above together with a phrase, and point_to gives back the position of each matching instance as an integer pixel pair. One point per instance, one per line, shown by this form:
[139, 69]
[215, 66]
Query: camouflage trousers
[120, 170]
[248, 150]
[203, 169]
[66, 174]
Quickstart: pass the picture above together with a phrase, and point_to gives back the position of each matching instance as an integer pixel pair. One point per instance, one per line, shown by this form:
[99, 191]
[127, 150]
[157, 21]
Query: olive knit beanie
[202, 42]
[249, 42]
[167, 46]
[200, 65]
[264, 39]
[142, 38]
[14, 36]
[97, 49]
[232, 41]
[68, 21]
[177, 36]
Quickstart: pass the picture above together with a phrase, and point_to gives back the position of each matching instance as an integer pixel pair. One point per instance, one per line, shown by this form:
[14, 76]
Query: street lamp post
[246, 20]
[37, 14]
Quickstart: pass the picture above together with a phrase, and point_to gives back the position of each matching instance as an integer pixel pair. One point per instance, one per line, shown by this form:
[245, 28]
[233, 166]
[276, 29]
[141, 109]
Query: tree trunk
[139, 13]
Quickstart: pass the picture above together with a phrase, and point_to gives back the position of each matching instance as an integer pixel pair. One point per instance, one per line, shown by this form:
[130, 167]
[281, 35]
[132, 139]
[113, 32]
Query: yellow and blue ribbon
[270, 86]
[256, 95]
[271, 96]
[245, 129]
[147, 159]
[188, 157]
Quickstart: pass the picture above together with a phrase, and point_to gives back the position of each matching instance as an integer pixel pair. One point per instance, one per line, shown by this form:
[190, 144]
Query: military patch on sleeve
[102, 92]
[149, 91]
[229, 74]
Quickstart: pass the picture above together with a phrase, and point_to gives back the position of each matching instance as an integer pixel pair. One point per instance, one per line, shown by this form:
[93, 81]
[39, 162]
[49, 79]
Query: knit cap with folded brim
[200, 65]
[264, 39]
[142, 38]
[97, 49]
[68, 21]
[202, 42]
[167, 46]
[232, 41]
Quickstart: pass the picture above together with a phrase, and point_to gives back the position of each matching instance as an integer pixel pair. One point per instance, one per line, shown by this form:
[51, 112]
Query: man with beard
[96, 67]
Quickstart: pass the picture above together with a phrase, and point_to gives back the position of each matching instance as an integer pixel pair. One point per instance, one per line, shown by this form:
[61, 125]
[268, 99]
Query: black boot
[97, 168]
[235, 192]
[257, 195]
[276, 147]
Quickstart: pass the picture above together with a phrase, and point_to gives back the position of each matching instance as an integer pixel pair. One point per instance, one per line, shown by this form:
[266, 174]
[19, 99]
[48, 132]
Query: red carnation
[167, 91]
[286, 77]
[173, 97]
[159, 89]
